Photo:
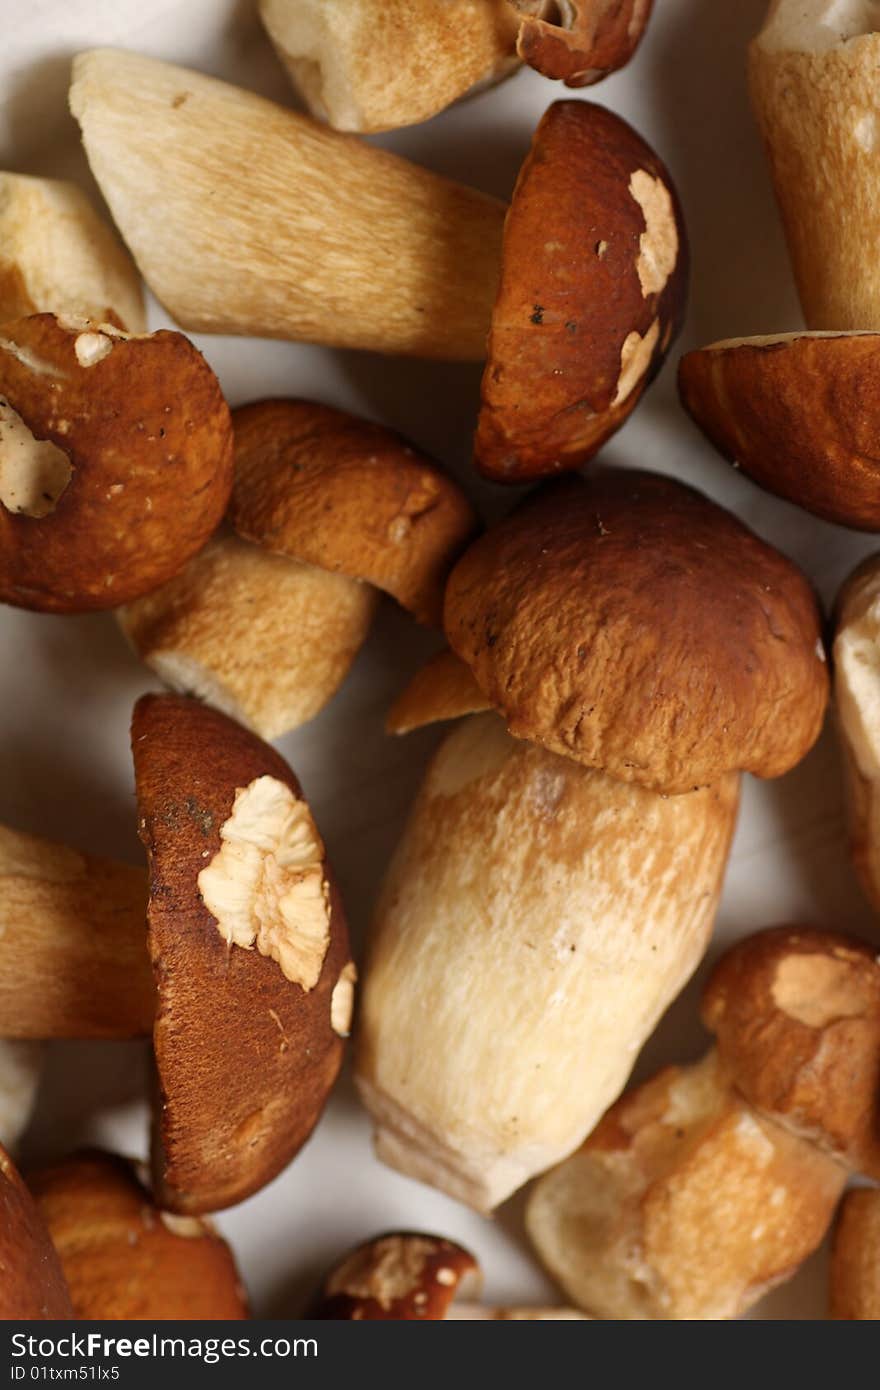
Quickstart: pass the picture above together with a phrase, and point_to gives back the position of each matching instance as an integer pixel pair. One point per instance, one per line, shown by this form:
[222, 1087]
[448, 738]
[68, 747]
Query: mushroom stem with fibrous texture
[857, 699]
[855, 1258]
[708, 1185]
[580, 285]
[813, 71]
[32, 1284]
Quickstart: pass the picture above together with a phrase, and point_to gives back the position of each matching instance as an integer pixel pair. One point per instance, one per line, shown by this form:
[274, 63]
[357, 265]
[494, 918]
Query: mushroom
[31, 1281]
[122, 1257]
[592, 257]
[708, 1185]
[248, 985]
[19, 1079]
[328, 509]
[115, 461]
[361, 64]
[798, 412]
[857, 700]
[406, 1276]
[855, 1258]
[813, 79]
[627, 622]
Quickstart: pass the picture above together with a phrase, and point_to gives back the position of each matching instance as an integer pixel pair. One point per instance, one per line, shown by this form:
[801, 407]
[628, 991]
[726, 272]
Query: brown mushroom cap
[627, 622]
[585, 41]
[855, 1258]
[320, 485]
[800, 413]
[797, 1017]
[397, 1277]
[245, 1055]
[125, 1259]
[592, 291]
[143, 426]
[31, 1282]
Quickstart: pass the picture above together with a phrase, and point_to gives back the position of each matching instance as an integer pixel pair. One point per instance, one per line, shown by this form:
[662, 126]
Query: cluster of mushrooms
[620, 651]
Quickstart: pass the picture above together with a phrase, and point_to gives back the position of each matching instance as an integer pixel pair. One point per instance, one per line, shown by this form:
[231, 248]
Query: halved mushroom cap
[397, 1277]
[796, 1013]
[627, 622]
[443, 688]
[580, 41]
[249, 947]
[31, 1281]
[798, 412]
[58, 256]
[592, 292]
[115, 462]
[855, 1258]
[122, 1257]
[317, 484]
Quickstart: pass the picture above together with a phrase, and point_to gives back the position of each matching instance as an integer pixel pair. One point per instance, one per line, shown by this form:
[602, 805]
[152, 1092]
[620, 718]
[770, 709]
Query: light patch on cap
[817, 990]
[189, 1227]
[265, 886]
[658, 244]
[33, 472]
[635, 359]
[387, 1270]
[92, 348]
[342, 1000]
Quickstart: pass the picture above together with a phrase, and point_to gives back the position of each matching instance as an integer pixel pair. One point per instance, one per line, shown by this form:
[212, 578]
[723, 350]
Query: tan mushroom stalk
[855, 1258]
[710, 1184]
[19, 1079]
[328, 511]
[814, 90]
[123, 1257]
[857, 701]
[361, 64]
[32, 1284]
[580, 285]
[409, 1276]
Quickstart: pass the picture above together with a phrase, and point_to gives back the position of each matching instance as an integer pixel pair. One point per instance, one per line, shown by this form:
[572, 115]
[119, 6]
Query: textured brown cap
[31, 1282]
[125, 1259]
[800, 413]
[245, 1055]
[323, 486]
[443, 688]
[627, 622]
[592, 291]
[143, 426]
[855, 1258]
[797, 1017]
[397, 1277]
[585, 41]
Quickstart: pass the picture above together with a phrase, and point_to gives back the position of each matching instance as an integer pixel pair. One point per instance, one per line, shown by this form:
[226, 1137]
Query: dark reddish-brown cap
[398, 1277]
[800, 413]
[325, 487]
[250, 952]
[136, 457]
[592, 292]
[122, 1257]
[797, 1016]
[31, 1281]
[627, 622]
[584, 41]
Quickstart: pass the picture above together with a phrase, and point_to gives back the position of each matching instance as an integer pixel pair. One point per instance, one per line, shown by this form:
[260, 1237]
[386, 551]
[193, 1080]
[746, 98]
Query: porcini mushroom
[336, 509]
[710, 1184]
[813, 79]
[408, 1276]
[799, 413]
[592, 267]
[855, 1258]
[124, 1258]
[31, 1281]
[19, 1079]
[857, 700]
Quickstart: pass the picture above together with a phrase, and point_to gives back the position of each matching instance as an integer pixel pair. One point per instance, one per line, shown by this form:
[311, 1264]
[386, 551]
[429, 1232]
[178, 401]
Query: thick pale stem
[247, 218]
[73, 952]
[857, 696]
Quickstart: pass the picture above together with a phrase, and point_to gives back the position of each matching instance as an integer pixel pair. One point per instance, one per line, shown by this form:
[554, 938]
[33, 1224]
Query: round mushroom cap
[798, 412]
[248, 942]
[585, 40]
[115, 462]
[627, 622]
[797, 1016]
[398, 1277]
[125, 1259]
[31, 1282]
[323, 486]
[592, 292]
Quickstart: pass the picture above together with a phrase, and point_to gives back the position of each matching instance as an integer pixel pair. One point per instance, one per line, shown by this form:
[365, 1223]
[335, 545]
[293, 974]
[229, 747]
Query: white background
[67, 685]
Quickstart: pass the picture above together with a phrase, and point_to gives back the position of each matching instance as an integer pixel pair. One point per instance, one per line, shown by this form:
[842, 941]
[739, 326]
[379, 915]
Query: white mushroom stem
[19, 1079]
[245, 217]
[73, 953]
[857, 696]
[814, 88]
[536, 921]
